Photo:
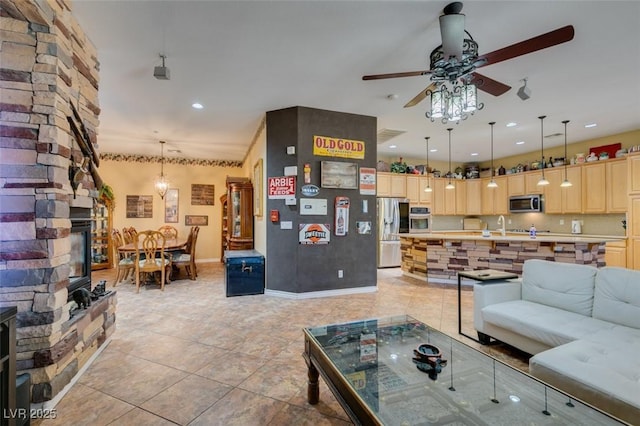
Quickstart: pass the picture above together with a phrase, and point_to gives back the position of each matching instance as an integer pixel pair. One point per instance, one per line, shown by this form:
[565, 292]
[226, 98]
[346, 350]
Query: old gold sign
[335, 147]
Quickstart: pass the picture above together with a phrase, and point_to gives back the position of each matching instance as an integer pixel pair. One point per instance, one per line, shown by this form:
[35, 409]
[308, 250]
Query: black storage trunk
[244, 272]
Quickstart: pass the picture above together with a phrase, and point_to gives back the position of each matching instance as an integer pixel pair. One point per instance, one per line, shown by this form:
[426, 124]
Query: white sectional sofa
[582, 325]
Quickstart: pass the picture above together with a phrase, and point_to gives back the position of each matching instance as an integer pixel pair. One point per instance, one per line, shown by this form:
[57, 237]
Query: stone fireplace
[48, 176]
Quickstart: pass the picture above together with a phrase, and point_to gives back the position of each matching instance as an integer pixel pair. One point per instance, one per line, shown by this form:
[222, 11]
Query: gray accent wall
[297, 268]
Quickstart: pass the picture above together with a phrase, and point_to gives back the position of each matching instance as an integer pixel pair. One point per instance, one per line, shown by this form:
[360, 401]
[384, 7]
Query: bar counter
[441, 254]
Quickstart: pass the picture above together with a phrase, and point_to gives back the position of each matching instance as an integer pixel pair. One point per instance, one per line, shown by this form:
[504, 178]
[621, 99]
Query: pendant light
[428, 188]
[565, 183]
[492, 183]
[542, 180]
[450, 185]
[162, 183]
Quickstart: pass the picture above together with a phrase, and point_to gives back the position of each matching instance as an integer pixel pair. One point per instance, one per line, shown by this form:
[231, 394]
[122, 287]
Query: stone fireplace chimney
[49, 103]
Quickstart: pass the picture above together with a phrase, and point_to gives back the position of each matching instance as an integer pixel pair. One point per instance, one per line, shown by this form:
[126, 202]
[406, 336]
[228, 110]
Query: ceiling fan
[457, 57]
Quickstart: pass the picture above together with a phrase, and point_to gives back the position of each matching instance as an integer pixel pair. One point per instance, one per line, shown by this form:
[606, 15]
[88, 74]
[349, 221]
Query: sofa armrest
[492, 292]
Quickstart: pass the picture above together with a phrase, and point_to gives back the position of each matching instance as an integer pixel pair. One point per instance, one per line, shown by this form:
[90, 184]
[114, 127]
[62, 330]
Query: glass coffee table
[369, 366]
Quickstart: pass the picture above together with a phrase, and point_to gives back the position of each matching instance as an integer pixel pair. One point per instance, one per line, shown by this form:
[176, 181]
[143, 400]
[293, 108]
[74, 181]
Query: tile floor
[191, 356]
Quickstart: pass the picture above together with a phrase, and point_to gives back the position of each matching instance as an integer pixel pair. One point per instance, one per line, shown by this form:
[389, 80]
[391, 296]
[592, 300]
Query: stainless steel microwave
[525, 204]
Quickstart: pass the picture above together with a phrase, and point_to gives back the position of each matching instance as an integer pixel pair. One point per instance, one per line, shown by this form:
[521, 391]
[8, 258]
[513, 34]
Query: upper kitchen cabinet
[444, 200]
[594, 195]
[633, 163]
[416, 185]
[617, 192]
[559, 199]
[516, 184]
[531, 180]
[391, 185]
[495, 200]
[474, 196]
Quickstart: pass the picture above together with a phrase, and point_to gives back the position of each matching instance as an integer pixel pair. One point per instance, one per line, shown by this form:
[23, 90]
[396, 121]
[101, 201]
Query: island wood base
[443, 258]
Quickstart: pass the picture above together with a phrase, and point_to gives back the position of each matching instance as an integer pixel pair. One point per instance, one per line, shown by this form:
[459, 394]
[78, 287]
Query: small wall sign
[282, 187]
[310, 190]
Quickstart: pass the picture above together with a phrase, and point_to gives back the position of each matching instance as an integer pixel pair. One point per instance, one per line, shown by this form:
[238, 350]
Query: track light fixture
[161, 73]
[524, 92]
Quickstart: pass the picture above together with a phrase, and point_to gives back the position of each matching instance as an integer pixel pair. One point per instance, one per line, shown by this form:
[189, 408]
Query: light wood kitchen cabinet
[415, 190]
[426, 197]
[617, 192]
[495, 200]
[474, 196]
[391, 185]
[563, 200]
[444, 200]
[516, 184]
[633, 232]
[616, 254]
[594, 194]
[461, 197]
[633, 164]
[531, 180]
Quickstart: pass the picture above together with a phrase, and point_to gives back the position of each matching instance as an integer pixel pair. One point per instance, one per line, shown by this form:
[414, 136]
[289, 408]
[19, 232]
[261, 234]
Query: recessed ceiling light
[512, 124]
[433, 150]
[590, 125]
[393, 146]
[197, 105]
[473, 154]
[520, 143]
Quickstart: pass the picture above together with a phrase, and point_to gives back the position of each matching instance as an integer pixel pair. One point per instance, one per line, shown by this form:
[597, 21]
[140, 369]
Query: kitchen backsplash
[592, 224]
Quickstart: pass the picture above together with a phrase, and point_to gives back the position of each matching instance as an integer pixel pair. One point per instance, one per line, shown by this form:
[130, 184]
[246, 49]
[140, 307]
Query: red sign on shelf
[282, 187]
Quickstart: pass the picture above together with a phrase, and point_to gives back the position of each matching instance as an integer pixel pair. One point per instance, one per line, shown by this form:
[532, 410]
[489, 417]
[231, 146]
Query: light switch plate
[286, 224]
[291, 150]
[291, 171]
[290, 201]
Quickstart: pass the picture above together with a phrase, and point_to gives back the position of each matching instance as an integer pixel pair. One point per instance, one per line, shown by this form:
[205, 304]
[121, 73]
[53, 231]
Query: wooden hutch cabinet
[101, 225]
[239, 214]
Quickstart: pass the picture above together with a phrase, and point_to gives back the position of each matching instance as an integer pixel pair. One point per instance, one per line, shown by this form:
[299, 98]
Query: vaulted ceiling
[240, 59]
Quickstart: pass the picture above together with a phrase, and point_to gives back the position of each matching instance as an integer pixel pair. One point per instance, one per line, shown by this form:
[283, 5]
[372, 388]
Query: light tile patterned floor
[190, 355]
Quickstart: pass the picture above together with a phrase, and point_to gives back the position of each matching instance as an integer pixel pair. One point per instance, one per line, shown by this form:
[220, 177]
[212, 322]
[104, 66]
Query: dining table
[170, 245]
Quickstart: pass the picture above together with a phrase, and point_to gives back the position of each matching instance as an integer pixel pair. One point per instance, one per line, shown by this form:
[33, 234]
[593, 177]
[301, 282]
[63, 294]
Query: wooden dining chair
[127, 236]
[150, 256]
[188, 259]
[169, 232]
[123, 259]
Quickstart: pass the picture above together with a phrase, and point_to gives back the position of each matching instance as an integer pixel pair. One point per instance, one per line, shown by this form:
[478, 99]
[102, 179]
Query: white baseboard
[324, 293]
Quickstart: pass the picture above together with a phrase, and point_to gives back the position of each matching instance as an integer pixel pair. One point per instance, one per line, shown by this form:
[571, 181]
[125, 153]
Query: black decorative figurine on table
[428, 358]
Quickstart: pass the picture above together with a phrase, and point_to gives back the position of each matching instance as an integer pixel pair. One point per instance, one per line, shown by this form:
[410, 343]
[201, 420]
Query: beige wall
[135, 178]
[257, 151]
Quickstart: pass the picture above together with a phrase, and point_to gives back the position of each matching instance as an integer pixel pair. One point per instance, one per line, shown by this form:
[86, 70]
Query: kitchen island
[441, 254]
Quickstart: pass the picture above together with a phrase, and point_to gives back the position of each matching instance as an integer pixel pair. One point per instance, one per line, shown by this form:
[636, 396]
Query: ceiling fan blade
[552, 38]
[489, 85]
[420, 96]
[395, 75]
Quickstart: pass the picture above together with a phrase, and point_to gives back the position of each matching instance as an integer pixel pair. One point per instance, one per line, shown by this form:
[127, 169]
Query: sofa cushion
[617, 296]
[603, 371]
[562, 285]
[546, 324]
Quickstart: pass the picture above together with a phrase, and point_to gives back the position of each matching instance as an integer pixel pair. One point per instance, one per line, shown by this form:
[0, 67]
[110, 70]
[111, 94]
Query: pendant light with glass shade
[428, 188]
[492, 183]
[542, 181]
[162, 183]
[565, 183]
[449, 185]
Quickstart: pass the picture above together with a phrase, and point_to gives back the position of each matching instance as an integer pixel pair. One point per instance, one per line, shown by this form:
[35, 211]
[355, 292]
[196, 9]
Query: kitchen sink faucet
[501, 222]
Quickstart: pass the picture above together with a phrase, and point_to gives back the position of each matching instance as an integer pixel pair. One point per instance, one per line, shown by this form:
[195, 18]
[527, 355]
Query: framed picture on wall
[171, 206]
[139, 206]
[257, 188]
[202, 195]
[196, 220]
[339, 174]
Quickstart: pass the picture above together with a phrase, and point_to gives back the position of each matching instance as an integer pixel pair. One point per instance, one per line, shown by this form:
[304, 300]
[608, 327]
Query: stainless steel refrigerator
[393, 219]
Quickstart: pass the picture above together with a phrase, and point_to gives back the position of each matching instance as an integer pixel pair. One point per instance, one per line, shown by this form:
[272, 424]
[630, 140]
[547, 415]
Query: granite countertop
[513, 236]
